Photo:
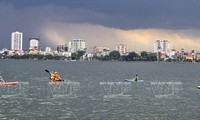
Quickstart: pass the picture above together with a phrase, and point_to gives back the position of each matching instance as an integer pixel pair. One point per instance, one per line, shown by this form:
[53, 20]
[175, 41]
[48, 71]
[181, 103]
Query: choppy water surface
[95, 90]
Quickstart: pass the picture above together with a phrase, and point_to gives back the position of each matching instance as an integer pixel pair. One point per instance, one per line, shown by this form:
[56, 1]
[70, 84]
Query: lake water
[96, 91]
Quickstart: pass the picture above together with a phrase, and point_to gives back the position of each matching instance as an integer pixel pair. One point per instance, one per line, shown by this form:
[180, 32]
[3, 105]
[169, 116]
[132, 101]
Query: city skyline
[79, 44]
[103, 23]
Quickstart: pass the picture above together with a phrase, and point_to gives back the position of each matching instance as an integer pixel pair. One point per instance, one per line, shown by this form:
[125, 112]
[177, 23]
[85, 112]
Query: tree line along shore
[112, 56]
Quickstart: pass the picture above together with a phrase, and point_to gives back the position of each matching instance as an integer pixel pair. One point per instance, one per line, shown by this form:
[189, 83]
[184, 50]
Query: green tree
[153, 56]
[114, 55]
[132, 56]
[74, 56]
[144, 56]
[80, 54]
[123, 58]
[49, 57]
[106, 57]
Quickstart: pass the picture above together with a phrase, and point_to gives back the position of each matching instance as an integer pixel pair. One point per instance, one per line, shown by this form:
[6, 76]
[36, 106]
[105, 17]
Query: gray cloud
[30, 17]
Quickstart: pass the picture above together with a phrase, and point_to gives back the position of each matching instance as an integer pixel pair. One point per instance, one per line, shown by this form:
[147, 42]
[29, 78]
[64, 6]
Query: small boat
[3, 83]
[9, 83]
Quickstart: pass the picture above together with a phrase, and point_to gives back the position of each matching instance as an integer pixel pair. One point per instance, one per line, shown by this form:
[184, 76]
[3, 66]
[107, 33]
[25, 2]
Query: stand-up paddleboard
[198, 87]
[131, 80]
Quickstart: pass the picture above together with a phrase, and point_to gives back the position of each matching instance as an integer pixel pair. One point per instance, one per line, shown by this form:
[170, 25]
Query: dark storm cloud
[28, 16]
[127, 14]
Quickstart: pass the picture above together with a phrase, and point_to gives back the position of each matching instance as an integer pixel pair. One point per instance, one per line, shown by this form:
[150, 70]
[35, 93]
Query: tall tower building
[34, 43]
[162, 46]
[16, 40]
[77, 45]
[121, 48]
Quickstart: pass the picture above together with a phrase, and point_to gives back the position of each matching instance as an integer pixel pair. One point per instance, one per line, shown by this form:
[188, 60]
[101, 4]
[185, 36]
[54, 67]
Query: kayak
[56, 81]
[198, 87]
[9, 83]
[52, 79]
[131, 80]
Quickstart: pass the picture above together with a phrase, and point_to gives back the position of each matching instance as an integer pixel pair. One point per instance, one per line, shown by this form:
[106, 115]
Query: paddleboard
[131, 80]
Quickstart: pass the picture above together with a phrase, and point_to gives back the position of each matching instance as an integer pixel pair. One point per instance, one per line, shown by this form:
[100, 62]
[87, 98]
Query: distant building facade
[62, 48]
[197, 56]
[34, 43]
[48, 49]
[16, 40]
[123, 49]
[173, 54]
[77, 45]
[101, 51]
[162, 46]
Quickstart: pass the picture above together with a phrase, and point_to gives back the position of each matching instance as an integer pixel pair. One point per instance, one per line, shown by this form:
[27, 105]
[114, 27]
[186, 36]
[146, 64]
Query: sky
[135, 23]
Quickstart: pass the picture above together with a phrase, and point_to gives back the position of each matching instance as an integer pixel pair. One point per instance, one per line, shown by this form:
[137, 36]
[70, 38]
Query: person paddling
[57, 76]
[54, 76]
[136, 78]
[51, 75]
[1, 80]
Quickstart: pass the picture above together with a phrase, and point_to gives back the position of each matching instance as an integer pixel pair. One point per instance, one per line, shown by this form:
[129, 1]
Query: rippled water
[95, 90]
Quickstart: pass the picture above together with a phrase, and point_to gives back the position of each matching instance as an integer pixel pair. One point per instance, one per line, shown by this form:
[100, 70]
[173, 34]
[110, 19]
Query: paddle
[49, 73]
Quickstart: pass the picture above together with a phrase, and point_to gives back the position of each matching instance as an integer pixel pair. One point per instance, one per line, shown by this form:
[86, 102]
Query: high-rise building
[122, 49]
[16, 40]
[34, 43]
[77, 45]
[162, 46]
[62, 48]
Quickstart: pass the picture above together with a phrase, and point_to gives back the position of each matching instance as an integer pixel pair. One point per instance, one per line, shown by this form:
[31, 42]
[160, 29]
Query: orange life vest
[56, 77]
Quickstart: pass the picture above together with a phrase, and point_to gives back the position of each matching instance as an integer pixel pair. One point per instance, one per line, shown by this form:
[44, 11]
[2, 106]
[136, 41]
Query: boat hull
[9, 83]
